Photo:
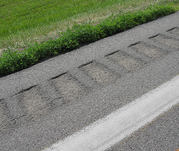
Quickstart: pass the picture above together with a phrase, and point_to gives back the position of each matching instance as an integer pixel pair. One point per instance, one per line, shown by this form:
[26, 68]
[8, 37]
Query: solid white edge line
[107, 131]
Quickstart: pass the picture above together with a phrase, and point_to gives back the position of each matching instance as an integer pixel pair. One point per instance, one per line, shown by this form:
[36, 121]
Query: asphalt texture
[55, 98]
[160, 134]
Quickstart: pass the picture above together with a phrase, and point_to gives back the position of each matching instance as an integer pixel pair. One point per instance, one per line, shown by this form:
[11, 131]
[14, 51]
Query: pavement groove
[128, 62]
[171, 42]
[69, 88]
[99, 73]
[174, 30]
[148, 50]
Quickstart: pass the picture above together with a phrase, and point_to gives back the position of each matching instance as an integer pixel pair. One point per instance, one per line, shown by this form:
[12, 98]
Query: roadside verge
[78, 35]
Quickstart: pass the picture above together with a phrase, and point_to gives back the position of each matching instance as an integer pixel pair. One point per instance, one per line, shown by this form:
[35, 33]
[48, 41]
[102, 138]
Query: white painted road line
[107, 131]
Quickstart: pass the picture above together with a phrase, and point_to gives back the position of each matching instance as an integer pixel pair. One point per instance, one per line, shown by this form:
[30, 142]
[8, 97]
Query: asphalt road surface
[60, 96]
[160, 134]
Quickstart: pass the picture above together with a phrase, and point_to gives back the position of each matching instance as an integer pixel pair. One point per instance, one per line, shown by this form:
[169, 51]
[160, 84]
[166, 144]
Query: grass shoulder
[77, 35]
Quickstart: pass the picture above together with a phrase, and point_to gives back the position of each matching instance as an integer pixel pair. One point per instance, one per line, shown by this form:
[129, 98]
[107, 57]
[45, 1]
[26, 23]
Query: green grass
[25, 22]
[20, 15]
[71, 23]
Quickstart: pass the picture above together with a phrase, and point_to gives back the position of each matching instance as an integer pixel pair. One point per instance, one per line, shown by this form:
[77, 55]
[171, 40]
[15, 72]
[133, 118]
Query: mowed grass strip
[24, 22]
[19, 15]
[19, 18]
[11, 62]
